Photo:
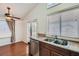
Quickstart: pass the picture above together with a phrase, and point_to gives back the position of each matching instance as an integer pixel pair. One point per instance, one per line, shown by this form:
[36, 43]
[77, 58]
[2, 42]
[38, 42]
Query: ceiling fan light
[8, 18]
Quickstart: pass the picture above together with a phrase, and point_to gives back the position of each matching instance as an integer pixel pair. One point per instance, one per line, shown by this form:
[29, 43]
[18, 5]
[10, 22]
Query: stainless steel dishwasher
[34, 47]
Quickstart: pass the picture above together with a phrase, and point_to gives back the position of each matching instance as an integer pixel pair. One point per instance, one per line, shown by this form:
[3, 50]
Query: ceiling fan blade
[16, 17]
[9, 16]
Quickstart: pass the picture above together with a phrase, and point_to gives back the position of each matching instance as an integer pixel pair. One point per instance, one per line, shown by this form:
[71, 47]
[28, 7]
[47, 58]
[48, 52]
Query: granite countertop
[73, 46]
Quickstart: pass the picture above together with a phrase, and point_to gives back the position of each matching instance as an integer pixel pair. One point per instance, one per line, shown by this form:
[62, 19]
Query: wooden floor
[17, 49]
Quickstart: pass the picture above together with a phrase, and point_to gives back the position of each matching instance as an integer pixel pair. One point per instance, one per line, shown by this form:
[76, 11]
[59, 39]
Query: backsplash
[41, 35]
[69, 38]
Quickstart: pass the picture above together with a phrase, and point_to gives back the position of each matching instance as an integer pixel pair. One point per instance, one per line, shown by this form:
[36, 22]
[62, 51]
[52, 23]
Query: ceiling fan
[9, 16]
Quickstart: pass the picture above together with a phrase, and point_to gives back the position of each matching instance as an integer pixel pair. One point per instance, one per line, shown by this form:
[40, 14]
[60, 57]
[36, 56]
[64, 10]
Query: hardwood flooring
[16, 49]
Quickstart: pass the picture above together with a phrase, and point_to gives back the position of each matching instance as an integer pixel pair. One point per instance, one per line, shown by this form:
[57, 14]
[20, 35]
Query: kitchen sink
[61, 42]
[49, 40]
[57, 41]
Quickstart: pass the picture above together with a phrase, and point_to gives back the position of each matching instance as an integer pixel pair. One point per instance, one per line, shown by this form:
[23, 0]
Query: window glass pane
[4, 29]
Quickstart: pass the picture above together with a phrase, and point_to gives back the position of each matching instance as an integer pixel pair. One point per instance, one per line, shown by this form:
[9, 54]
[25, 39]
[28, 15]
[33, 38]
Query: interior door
[34, 29]
[28, 32]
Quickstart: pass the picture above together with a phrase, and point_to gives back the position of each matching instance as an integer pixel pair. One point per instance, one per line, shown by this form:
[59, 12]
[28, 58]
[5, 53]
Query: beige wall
[39, 13]
[18, 30]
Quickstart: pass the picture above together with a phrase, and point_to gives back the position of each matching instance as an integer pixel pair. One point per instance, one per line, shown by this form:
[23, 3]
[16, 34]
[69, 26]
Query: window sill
[5, 35]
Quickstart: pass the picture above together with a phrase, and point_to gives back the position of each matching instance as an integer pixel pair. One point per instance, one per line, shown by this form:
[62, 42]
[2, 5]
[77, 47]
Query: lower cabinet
[46, 49]
[55, 54]
[74, 53]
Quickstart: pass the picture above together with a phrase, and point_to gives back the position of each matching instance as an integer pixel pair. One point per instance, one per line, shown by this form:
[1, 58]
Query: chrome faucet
[55, 37]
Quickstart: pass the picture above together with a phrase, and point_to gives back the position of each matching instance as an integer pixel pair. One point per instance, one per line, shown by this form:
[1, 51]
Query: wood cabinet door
[55, 54]
[74, 53]
[44, 51]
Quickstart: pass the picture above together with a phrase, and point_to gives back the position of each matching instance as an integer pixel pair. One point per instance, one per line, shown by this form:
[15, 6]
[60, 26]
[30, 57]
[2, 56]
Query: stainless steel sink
[49, 40]
[57, 41]
[61, 42]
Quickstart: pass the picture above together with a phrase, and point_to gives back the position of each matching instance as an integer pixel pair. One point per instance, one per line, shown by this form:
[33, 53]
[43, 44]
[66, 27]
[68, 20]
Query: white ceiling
[17, 9]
